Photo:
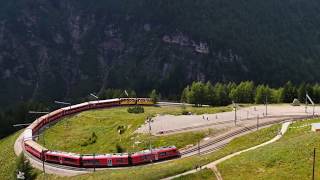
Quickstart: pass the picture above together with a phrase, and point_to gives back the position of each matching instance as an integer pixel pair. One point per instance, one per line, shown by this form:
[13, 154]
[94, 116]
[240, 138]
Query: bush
[23, 166]
[120, 149]
[136, 109]
[90, 140]
[296, 102]
[185, 112]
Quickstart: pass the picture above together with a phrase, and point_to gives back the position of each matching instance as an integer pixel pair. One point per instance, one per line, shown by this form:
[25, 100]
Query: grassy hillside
[7, 156]
[289, 158]
[161, 170]
[73, 133]
[203, 174]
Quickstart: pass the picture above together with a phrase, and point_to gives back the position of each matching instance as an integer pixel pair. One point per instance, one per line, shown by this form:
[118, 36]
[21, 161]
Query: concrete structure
[315, 127]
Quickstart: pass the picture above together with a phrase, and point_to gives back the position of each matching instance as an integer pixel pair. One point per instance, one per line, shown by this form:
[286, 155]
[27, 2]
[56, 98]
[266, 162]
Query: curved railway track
[191, 151]
[236, 133]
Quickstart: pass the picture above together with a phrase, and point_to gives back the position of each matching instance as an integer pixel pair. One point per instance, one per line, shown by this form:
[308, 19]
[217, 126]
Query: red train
[99, 160]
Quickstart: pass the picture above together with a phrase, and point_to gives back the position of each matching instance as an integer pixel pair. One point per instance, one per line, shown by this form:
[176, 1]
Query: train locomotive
[92, 160]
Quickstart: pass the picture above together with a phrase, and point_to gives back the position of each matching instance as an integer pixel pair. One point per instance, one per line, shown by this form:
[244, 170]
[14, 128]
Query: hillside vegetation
[66, 49]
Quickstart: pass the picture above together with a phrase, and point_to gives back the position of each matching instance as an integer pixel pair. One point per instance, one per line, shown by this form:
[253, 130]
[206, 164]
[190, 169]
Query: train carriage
[104, 103]
[141, 157]
[105, 160]
[37, 125]
[76, 108]
[35, 149]
[64, 158]
[55, 115]
[145, 101]
[102, 160]
[128, 101]
[166, 153]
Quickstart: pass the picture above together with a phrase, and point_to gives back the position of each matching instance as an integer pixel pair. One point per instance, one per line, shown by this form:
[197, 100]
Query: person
[207, 118]
[203, 117]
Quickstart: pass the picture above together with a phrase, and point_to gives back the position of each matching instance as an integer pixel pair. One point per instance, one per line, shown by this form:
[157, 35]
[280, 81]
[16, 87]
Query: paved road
[213, 165]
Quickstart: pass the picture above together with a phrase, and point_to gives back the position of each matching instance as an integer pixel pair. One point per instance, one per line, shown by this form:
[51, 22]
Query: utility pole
[314, 162]
[43, 168]
[96, 97]
[306, 103]
[235, 113]
[150, 146]
[266, 105]
[199, 147]
[94, 162]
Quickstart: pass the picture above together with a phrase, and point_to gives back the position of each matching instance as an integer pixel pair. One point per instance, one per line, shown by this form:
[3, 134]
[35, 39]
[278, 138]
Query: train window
[91, 161]
[69, 159]
[163, 153]
[145, 157]
[54, 157]
[120, 160]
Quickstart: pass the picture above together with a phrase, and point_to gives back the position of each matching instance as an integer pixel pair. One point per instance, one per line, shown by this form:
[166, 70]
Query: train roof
[54, 112]
[105, 101]
[35, 145]
[105, 155]
[61, 153]
[27, 134]
[164, 148]
[75, 106]
[147, 151]
[34, 123]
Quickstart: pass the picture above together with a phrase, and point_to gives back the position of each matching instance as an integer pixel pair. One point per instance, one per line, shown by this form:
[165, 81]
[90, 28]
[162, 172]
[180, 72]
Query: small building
[315, 127]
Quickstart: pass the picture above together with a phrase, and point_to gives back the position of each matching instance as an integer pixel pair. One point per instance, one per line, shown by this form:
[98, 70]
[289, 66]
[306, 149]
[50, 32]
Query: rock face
[54, 49]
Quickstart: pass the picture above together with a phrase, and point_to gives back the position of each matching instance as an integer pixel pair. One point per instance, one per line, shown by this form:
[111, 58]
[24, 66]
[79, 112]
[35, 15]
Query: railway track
[189, 152]
[220, 123]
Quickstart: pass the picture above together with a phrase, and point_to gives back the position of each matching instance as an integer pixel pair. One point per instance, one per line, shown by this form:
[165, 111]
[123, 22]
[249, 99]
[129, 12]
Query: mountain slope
[66, 49]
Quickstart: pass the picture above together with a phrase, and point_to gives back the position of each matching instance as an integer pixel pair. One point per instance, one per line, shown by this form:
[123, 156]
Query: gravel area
[166, 124]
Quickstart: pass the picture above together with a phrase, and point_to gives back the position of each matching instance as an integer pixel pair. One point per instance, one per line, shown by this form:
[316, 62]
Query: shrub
[120, 149]
[90, 140]
[23, 166]
[136, 109]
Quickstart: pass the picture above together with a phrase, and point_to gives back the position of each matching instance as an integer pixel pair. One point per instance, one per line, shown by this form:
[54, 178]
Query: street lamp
[266, 105]
[96, 97]
[235, 113]
[63, 103]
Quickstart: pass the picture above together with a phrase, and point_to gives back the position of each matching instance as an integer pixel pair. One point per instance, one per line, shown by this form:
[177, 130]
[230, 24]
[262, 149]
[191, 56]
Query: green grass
[170, 168]
[72, 132]
[203, 174]
[8, 157]
[289, 158]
